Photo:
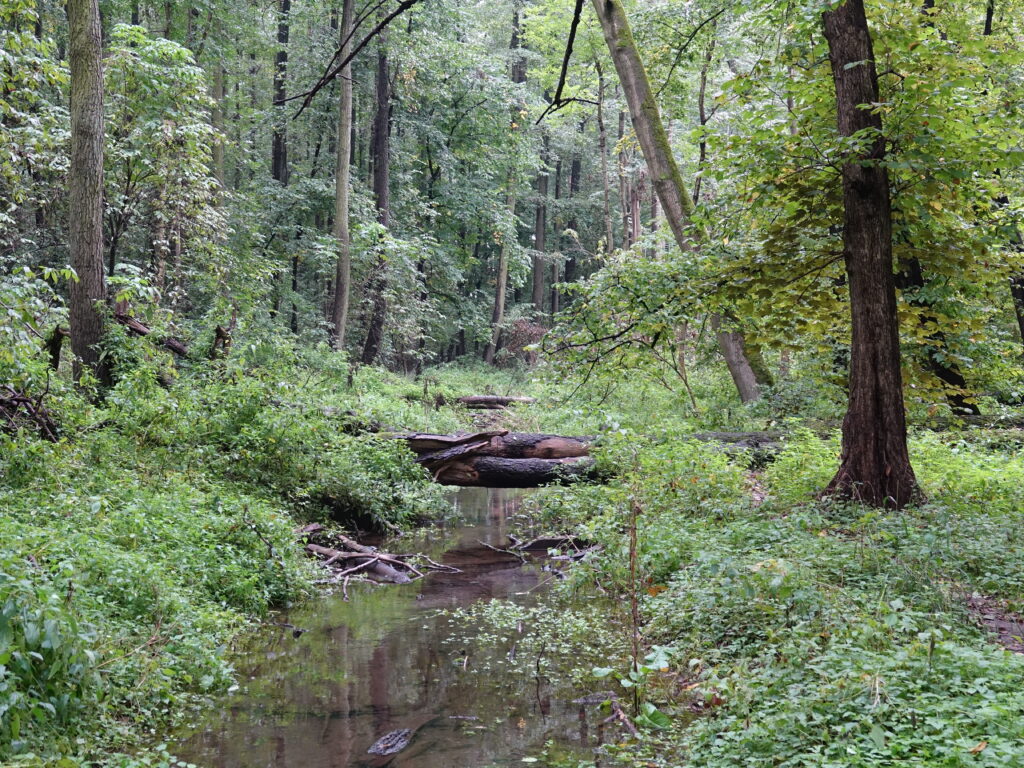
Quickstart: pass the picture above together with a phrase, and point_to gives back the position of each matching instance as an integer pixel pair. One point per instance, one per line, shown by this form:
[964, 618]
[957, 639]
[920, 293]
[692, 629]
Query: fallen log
[371, 562]
[749, 440]
[139, 328]
[493, 401]
[420, 443]
[494, 472]
[502, 459]
[435, 450]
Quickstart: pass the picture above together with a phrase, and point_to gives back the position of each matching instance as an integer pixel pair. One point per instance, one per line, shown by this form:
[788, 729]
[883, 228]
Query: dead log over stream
[501, 459]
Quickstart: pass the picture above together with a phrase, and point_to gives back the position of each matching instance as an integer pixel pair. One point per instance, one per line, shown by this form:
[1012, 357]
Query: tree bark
[494, 472]
[217, 120]
[279, 138]
[650, 132]
[381, 150]
[875, 465]
[343, 267]
[540, 230]
[602, 147]
[85, 188]
[501, 281]
[731, 345]
[954, 384]
[517, 74]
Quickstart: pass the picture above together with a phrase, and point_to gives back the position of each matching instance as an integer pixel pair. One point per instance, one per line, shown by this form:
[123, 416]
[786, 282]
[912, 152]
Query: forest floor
[774, 629]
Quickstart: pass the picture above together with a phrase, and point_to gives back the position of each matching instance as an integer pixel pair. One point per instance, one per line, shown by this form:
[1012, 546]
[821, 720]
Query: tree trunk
[651, 135]
[517, 74]
[217, 119]
[540, 230]
[494, 472]
[1017, 292]
[875, 466]
[731, 345]
[501, 281]
[602, 148]
[624, 193]
[381, 150]
[343, 267]
[948, 372]
[85, 187]
[279, 139]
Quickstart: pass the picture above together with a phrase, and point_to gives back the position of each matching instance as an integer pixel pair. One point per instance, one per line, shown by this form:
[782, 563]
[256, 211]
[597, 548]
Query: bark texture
[875, 466]
[85, 187]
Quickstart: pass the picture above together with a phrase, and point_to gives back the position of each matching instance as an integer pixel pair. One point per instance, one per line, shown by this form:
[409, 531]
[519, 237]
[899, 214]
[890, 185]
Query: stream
[388, 660]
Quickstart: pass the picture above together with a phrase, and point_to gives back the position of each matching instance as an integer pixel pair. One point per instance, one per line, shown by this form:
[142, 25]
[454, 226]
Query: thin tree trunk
[279, 139]
[575, 174]
[702, 114]
[602, 145]
[501, 282]
[875, 465]
[517, 74]
[624, 193]
[382, 192]
[540, 230]
[217, 119]
[343, 268]
[664, 173]
[85, 187]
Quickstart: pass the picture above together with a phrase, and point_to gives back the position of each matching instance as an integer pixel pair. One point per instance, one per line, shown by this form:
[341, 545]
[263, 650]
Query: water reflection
[379, 663]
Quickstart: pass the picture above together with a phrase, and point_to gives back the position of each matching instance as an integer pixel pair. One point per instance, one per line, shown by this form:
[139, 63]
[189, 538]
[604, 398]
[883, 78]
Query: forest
[426, 383]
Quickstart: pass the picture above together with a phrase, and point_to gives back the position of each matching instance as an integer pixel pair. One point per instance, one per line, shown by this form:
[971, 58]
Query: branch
[558, 102]
[331, 73]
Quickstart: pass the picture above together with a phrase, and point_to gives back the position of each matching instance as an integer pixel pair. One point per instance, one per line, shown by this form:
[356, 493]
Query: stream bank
[389, 659]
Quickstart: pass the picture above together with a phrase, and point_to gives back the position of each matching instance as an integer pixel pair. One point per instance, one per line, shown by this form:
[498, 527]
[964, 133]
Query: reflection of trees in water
[379, 663]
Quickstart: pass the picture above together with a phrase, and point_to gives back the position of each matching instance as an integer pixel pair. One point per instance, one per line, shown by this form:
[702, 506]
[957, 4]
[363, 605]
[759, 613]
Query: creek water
[389, 659]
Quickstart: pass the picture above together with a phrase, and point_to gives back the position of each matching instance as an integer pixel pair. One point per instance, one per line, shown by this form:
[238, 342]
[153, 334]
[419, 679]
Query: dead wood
[371, 561]
[493, 472]
[22, 411]
[493, 401]
[501, 459]
[139, 328]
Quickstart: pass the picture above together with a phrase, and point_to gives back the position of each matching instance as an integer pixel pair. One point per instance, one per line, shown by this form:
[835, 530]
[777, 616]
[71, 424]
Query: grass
[802, 633]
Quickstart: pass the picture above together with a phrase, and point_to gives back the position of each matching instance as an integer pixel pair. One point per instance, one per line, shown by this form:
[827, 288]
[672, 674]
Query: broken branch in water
[351, 557]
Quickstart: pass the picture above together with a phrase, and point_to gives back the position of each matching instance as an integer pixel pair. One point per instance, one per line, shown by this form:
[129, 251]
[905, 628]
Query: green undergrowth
[801, 633]
[133, 550]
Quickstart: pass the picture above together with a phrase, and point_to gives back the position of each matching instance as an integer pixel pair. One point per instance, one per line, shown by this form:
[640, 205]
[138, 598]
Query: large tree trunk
[85, 186]
[651, 135]
[343, 267]
[382, 192]
[875, 465]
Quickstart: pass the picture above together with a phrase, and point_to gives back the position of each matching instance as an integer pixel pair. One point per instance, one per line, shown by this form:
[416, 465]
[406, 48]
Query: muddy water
[387, 660]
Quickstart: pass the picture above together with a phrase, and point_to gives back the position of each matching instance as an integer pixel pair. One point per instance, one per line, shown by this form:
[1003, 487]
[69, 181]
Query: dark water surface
[380, 663]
